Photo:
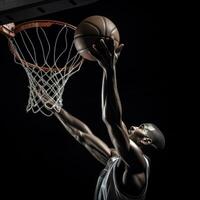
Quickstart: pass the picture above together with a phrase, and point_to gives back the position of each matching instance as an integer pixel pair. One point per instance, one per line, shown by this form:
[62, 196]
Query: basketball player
[126, 172]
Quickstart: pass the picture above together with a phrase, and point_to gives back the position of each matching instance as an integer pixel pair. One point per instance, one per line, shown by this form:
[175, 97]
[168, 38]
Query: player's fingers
[105, 48]
[112, 43]
[94, 51]
[119, 49]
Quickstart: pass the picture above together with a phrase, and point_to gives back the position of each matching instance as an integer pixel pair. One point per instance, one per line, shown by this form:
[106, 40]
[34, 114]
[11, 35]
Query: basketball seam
[94, 25]
[112, 30]
[82, 35]
[105, 27]
[82, 50]
[86, 48]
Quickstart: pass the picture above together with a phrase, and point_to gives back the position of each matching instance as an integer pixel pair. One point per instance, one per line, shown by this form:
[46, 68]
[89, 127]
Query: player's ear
[146, 140]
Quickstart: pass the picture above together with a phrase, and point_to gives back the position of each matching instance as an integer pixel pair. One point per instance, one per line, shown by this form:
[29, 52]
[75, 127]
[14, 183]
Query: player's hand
[105, 53]
[8, 30]
[48, 101]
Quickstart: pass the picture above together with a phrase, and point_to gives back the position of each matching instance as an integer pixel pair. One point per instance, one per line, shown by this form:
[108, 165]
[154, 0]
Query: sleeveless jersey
[107, 186]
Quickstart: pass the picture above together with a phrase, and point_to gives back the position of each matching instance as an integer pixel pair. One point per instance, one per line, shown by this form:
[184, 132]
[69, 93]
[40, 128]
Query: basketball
[92, 29]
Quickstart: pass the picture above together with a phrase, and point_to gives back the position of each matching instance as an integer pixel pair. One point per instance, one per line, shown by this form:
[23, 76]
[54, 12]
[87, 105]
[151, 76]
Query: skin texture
[132, 170]
[8, 30]
[128, 143]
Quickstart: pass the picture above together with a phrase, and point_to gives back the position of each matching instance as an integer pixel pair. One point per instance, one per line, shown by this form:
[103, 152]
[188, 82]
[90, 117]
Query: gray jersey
[107, 187]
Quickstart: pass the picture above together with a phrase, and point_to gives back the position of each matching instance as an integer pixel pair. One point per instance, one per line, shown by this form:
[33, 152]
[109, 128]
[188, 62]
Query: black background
[38, 157]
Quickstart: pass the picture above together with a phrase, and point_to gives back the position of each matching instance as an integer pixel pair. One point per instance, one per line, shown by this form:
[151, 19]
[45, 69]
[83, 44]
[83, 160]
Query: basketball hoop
[45, 49]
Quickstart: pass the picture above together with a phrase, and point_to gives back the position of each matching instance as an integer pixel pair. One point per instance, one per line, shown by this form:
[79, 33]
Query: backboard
[20, 10]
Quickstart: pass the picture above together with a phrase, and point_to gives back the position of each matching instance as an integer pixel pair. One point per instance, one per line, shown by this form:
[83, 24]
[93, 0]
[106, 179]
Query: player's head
[147, 134]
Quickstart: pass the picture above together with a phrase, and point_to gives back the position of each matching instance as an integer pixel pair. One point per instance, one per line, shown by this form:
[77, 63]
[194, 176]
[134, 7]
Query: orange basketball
[92, 29]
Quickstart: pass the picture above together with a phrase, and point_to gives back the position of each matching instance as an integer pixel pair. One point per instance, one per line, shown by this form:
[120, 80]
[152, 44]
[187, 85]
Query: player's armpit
[132, 180]
[135, 159]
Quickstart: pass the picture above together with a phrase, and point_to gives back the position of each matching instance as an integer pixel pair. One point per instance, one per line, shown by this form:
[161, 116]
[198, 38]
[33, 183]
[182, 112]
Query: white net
[49, 58]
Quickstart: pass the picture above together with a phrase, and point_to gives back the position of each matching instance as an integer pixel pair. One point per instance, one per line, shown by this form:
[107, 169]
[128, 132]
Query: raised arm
[107, 57]
[81, 132]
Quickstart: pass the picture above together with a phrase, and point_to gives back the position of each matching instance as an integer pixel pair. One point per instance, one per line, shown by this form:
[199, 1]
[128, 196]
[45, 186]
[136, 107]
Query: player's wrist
[110, 70]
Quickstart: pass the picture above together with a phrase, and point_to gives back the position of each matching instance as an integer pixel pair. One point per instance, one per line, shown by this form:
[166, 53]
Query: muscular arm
[112, 117]
[112, 109]
[79, 130]
[84, 136]
[111, 112]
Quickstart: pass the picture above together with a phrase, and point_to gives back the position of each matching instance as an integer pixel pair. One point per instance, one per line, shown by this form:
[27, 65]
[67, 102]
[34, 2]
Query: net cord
[46, 86]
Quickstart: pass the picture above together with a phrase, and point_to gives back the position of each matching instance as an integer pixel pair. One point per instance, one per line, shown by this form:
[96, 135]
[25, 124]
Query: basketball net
[45, 49]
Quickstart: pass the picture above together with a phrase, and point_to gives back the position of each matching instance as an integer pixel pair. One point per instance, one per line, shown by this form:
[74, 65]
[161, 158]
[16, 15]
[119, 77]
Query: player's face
[139, 136]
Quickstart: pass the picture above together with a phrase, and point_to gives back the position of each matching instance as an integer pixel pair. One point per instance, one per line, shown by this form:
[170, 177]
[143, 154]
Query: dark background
[38, 157]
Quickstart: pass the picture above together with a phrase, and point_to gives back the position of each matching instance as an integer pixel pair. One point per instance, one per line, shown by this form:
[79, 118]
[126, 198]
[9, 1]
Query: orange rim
[35, 24]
